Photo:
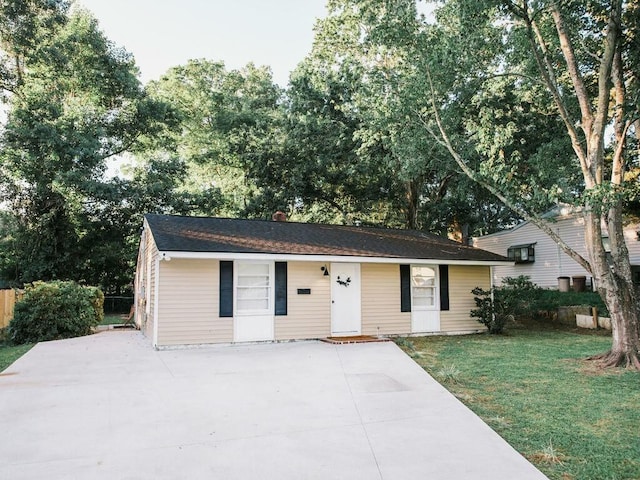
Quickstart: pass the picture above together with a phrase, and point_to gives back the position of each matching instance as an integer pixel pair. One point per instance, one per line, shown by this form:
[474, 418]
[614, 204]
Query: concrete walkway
[110, 407]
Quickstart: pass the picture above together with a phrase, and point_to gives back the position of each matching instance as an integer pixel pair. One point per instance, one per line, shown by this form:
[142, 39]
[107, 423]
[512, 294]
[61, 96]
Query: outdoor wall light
[325, 269]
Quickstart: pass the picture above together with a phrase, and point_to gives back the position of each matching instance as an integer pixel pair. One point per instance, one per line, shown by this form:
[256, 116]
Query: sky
[164, 33]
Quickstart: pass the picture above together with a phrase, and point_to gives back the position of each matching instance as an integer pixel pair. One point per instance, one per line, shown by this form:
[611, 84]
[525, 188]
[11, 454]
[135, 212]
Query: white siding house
[544, 261]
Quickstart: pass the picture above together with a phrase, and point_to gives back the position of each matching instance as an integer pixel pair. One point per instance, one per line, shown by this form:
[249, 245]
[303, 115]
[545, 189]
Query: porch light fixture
[325, 270]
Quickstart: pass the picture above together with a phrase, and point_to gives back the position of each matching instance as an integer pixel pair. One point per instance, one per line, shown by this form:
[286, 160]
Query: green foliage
[227, 134]
[72, 101]
[490, 310]
[550, 300]
[519, 296]
[360, 92]
[516, 298]
[55, 310]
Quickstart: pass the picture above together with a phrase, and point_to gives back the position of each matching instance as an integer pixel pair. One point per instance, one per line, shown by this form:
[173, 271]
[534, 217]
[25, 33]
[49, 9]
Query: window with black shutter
[226, 289]
[281, 288]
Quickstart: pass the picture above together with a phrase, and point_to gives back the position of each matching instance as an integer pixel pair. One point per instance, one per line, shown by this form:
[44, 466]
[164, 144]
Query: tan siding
[381, 301]
[463, 279]
[188, 304]
[145, 303]
[308, 316]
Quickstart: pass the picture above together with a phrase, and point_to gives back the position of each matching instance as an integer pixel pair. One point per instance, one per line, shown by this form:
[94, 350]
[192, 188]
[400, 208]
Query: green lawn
[112, 319]
[10, 353]
[533, 387]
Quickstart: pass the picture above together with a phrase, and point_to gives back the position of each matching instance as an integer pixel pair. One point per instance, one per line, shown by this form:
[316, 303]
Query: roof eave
[168, 255]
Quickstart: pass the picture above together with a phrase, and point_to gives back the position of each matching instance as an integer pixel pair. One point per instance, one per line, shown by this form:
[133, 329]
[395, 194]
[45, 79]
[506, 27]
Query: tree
[574, 62]
[225, 124]
[73, 102]
[374, 49]
[324, 172]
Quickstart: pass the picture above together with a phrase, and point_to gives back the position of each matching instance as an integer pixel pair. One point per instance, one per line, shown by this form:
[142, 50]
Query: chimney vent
[279, 216]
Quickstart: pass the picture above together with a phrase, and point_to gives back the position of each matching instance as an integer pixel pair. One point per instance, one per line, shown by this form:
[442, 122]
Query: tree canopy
[73, 102]
[459, 123]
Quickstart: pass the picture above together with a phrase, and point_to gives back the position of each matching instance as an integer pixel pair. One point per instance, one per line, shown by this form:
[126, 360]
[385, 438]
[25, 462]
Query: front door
[345, 299]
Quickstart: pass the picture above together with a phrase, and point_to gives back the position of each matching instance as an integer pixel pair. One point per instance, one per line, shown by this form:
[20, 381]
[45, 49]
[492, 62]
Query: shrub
[517, 297]
[550, 300]
[54, 310]
[490, 311]
[520, 296]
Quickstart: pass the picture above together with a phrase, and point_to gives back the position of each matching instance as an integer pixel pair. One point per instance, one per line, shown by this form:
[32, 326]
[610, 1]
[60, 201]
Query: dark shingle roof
[210, 234]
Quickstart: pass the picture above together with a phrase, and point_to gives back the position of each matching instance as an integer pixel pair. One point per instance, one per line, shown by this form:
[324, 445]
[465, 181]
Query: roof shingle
[211, 234]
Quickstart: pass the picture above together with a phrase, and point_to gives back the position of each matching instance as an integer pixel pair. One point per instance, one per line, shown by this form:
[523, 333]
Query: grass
[534, 388]
[112, 319]
[10, 353]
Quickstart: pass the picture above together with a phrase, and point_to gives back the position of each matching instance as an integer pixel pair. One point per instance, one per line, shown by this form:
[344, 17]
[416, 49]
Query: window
[423, 287]
[253, 288]
[522, 253]
[635, 274]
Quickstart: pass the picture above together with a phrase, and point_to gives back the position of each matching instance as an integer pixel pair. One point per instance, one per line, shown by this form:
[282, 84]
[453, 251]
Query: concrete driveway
[110, 407]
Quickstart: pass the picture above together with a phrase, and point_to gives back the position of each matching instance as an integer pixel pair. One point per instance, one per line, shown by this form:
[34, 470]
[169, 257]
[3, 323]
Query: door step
[355, 339]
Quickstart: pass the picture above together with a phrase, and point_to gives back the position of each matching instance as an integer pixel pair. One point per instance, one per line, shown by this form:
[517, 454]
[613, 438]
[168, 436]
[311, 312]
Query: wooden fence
[7, 302]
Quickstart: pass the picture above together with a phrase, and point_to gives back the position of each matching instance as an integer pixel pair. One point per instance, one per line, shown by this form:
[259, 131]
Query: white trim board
[168, 255]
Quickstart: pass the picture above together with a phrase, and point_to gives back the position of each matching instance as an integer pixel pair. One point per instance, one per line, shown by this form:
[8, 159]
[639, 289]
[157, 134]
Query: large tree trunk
[614, 283]
[611, 270]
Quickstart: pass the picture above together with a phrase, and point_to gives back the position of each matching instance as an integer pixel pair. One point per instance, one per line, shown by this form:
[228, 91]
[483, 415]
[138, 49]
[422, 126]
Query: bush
[517, 297]
[550, 300]
[490, 312]
[520, 296]
[54, 310]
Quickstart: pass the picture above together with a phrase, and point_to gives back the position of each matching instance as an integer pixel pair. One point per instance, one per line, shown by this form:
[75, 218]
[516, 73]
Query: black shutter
[281, 288]
[405, 288]
[226, 289]
[444, 287]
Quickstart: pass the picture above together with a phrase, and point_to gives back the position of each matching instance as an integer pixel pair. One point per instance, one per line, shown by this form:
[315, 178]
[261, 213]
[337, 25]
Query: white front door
[345, 299]
[254, 297]
[425, 304]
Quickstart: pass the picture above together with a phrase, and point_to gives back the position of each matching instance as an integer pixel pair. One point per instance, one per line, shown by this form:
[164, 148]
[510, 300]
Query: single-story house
[536, 255]
[219, 280]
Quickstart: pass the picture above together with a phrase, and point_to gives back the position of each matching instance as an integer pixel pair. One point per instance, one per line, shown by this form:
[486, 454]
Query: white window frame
[436, 288]
[236, 285]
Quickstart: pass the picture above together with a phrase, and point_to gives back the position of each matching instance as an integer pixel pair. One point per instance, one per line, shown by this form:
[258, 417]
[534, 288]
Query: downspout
[559, 256]
[491, 285]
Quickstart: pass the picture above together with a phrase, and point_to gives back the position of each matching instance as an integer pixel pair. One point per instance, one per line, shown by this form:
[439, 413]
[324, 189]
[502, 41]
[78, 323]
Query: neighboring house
[217, 280]
[536, 255]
